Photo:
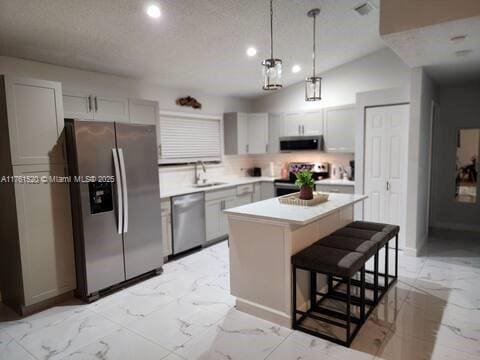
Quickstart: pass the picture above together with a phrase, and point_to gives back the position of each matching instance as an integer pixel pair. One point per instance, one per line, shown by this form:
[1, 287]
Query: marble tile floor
[433, 312]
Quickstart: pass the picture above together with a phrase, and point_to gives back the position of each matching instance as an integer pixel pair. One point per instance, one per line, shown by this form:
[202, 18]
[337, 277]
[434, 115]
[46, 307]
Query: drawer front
[342, 189]
[245, 189]
[219, 194]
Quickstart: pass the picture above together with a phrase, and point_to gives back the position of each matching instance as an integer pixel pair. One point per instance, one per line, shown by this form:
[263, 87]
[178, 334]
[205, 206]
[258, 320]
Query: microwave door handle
[118, 183]
[124, 190]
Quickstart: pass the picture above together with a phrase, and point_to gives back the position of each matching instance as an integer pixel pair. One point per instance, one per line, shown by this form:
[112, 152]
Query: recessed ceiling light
[463, 52]
[458, 39]
[251, 51]
[153, 11]
[296, 69]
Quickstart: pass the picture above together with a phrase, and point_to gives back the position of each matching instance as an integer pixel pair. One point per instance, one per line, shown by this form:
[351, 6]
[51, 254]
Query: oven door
[285, 189]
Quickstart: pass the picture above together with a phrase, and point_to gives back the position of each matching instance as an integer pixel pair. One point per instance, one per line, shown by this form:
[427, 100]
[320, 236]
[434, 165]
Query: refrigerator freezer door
[142, 214]
[95, 217]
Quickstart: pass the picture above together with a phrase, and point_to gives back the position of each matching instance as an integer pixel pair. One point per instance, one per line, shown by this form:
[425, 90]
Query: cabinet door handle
[160, 150]
[303, 129]
[96, 104]
[247, 147]
[388, 185]
[299, 130]
[90, 103]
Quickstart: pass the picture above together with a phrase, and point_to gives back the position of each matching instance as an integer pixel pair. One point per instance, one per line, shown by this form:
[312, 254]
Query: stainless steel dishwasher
[188, 222]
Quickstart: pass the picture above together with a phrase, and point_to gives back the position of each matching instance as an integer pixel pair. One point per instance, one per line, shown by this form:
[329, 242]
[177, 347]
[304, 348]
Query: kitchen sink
[208, 184]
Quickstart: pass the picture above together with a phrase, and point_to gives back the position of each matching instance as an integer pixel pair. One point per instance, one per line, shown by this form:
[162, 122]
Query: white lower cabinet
[45, 234]
[267, 190]
[166, 226]
[215, 219]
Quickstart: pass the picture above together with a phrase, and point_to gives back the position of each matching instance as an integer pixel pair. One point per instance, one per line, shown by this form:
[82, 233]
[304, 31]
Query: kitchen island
[263, 236]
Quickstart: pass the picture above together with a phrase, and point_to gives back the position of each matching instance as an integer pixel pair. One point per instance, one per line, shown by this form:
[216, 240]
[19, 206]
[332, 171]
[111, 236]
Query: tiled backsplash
[236, 165]
[279, 160]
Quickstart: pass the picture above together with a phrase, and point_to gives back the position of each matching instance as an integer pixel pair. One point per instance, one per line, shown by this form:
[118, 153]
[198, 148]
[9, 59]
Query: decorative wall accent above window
[313, 84]
[272, 68]
[189, 101]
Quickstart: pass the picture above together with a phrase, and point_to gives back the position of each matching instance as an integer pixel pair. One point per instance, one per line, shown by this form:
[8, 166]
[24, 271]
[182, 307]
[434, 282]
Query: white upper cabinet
[78, 105]
[35, 120]
[293, 124]
[276, 127]
[87, 106]
[257, 133]
[245, 133]
[143, 111]
[299, 124]
[340, 129]
[111, 108]
[312, 124]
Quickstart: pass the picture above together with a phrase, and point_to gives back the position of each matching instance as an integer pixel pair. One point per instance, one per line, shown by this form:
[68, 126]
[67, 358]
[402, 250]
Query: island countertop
[272, 209]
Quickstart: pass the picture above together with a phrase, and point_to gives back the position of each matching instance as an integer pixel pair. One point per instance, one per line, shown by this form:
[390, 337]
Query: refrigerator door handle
[119, 192]
[124, 190]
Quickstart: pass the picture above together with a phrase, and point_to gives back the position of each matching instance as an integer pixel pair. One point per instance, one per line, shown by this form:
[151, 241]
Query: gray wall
[459, 108]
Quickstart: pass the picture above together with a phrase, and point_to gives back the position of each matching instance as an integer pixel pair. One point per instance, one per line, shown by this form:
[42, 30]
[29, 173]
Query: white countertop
[340, 182]
[272, 209]
[228, 182]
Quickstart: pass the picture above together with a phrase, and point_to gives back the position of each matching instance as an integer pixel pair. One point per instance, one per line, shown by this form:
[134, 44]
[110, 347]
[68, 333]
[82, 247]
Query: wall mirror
[468, 148]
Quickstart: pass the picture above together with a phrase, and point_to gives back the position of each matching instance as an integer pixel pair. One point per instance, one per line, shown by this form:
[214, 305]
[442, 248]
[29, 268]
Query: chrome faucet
[197, 175]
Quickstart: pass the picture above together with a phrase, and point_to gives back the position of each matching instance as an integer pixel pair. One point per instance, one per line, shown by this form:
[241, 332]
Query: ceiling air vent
[365, 8]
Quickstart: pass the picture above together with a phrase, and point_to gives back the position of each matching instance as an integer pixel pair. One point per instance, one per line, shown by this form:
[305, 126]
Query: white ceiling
[196, 44]
[431, 47]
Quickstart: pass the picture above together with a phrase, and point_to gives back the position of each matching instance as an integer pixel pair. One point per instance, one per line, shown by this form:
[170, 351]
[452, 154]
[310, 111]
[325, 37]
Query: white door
[257, 133]
[293, 124]
[35, 120]
[385, 165]
[111, 109]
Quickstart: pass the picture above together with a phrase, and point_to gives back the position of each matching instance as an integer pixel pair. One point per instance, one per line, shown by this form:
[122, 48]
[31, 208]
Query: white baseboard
[415, 252]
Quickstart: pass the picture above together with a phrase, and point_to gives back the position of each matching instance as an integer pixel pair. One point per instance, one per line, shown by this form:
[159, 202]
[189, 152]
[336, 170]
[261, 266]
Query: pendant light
[313, 84]
[272, 68]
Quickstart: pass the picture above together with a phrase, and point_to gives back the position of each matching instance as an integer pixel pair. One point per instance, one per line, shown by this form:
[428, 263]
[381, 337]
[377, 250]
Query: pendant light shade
[272, 68]
[313, 84]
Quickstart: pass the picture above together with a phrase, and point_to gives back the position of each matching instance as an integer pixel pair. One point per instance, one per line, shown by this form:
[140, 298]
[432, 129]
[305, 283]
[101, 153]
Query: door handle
[124, 189]
[96, 104]
[89, 103]
[118, 182]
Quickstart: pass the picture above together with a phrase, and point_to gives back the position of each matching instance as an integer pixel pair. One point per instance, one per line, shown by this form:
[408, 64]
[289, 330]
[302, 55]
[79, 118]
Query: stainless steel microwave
[298, 143]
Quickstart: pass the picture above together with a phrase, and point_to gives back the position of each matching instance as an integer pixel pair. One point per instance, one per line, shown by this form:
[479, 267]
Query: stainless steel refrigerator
[115, 203]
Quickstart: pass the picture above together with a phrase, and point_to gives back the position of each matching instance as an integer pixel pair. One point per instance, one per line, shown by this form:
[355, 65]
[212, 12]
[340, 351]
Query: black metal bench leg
[313, 289]
[348, 311]
[375, 277]
[294, 297]
[396, 256]
[362, 294]
[387, 282]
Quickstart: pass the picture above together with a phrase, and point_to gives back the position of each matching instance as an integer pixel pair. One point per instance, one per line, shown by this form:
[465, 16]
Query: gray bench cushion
[391, 230]
[328, 260]
[367, 247]
[378, 237]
